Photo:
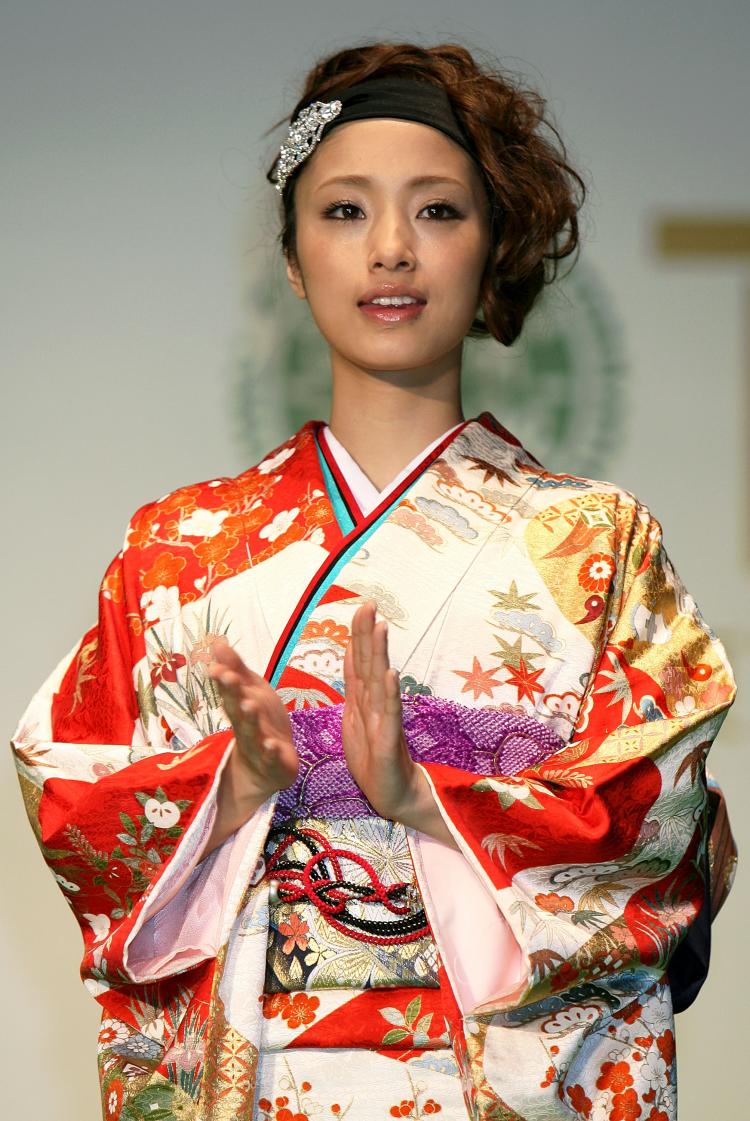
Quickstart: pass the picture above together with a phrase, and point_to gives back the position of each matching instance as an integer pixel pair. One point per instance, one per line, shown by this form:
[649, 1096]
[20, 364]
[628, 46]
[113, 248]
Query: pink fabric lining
[482, 958]
[181, 923]
[186, 930]
[481, 955]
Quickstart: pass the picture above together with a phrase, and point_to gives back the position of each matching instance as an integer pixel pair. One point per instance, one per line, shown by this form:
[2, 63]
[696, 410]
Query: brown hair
[533, 192]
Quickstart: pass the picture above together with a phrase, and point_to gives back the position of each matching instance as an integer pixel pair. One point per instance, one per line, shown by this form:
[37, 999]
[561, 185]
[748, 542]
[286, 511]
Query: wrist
[416, 802]
[240, 789]
[420, 811]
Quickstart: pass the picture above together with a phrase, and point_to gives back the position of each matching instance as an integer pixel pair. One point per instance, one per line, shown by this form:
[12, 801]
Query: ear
[294, 276]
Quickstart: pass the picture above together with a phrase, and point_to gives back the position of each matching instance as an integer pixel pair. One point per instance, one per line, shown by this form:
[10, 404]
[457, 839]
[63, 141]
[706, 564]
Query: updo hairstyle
[534, 194]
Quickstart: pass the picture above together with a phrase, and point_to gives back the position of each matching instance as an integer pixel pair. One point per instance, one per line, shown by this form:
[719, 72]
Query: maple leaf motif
[479, 680]
[491, 470]
[498, 844]
[694, 760]
[512, 654]
[527, 683]
[619, 685]
[512, 601]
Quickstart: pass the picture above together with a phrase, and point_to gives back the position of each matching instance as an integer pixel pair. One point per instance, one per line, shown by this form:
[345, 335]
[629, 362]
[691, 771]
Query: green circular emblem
[559, 388]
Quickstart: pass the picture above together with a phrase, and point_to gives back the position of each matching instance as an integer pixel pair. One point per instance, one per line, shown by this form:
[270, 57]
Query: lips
[392, 313]
[386, 314]
[392, 290]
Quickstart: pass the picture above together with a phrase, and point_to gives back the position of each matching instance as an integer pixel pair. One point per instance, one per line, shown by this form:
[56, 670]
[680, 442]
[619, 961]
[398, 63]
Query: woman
[311, 885]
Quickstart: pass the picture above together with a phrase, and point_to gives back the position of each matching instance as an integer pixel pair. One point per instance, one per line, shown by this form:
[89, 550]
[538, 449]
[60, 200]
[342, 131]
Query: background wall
[131, 139]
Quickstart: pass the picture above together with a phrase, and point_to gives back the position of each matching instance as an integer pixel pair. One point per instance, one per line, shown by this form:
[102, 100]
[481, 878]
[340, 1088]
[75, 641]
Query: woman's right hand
[264, 759]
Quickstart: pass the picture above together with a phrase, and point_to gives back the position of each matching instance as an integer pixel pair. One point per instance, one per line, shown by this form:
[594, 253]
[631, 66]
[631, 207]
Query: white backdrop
[129, 133]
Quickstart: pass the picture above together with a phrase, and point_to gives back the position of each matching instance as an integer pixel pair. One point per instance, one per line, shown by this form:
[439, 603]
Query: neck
[385, 418]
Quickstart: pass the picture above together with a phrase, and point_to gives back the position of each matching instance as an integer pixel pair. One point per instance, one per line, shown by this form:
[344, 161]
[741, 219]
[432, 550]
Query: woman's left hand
[375, 746]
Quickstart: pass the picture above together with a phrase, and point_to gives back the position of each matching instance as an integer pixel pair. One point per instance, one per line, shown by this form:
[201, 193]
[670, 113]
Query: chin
[396, 360]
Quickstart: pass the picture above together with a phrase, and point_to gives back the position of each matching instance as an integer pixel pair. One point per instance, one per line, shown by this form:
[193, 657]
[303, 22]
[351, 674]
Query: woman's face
[388, 203]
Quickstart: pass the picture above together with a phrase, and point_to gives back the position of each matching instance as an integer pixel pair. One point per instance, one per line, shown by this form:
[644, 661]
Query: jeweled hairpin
[304, 134]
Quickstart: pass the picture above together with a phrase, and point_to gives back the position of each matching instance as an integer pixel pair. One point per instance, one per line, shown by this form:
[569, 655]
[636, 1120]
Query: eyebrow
[366, 181]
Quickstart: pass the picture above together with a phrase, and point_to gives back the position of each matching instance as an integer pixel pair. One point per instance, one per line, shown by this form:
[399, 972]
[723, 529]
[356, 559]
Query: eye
[452, 212]
[341, 205]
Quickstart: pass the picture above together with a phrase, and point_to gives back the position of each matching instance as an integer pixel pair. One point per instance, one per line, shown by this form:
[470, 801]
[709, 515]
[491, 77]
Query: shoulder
[200, 509]
[593, 502]
[563, 497]
[178, 547]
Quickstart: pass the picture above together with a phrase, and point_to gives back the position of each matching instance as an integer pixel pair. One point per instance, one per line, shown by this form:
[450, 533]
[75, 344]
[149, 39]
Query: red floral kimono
[561, 691]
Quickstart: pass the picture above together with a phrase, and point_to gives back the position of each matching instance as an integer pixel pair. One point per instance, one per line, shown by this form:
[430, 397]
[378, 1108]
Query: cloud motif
[410, 518]
[504, 501]
[533, 625]
[447, 516]
[473, 499]
[387, 602]
[568, 481]
[319, 661]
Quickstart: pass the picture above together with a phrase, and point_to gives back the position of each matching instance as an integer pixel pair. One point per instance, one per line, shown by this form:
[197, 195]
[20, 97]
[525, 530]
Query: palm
[260, 721]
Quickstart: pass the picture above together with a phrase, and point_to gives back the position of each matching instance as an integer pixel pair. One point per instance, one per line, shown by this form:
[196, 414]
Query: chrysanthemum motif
[137, 1047]
[111, 1032]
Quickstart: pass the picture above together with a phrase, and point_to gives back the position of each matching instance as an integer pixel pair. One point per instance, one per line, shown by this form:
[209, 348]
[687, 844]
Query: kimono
[560, 690]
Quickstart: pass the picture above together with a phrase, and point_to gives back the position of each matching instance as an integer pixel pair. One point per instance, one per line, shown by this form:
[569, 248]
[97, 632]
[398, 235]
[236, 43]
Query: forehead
[386, 149]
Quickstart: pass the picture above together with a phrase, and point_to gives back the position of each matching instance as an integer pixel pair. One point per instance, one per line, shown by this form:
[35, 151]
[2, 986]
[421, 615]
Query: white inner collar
[364, 490]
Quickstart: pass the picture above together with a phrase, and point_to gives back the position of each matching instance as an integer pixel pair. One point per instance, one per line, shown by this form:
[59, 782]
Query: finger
[239, 705]
[391, 730]
[393, 706]
[379, 665]
[224, 654]
[228, 688]
[226, 657]
[365, 641]
[355, 641]
[245, 711]
[350, 674]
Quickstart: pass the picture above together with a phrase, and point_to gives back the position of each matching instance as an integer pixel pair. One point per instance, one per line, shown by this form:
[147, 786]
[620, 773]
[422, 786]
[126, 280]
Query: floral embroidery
[296, 931]
[596, 572]
[165, 569]
[297, 1009]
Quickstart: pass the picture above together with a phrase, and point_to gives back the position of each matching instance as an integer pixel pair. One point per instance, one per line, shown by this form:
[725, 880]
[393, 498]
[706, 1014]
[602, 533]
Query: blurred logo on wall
[560, 388]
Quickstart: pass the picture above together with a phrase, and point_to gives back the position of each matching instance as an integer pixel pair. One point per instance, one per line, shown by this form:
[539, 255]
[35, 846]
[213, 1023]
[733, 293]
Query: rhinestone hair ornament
[407, 99]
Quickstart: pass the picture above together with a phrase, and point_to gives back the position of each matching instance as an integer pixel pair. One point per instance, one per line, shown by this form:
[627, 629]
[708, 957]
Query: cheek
[329, 262]
[456, 264]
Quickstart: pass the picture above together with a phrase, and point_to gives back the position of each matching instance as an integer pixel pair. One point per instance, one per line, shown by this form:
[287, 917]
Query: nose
[391, 242]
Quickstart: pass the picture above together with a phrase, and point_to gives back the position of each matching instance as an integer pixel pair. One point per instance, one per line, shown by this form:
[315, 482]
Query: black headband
[407, 99]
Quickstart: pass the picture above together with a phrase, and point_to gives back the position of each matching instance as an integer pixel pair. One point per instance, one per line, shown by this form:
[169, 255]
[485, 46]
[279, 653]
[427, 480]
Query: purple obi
[479, 740]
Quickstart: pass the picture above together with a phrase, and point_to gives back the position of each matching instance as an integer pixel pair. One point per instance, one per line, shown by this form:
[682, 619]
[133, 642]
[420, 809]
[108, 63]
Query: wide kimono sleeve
[597, 858]
[121, 809]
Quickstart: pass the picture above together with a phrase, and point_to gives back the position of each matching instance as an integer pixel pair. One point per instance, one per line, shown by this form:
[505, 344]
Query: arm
[595, 857]
[601, 841]
[120, 816]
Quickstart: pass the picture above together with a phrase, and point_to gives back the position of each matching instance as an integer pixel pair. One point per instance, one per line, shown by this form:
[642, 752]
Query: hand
[372, 732]
[265, 755]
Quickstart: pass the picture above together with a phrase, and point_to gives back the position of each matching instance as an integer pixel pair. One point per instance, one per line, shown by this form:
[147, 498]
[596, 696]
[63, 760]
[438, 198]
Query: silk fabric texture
[508, 588]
